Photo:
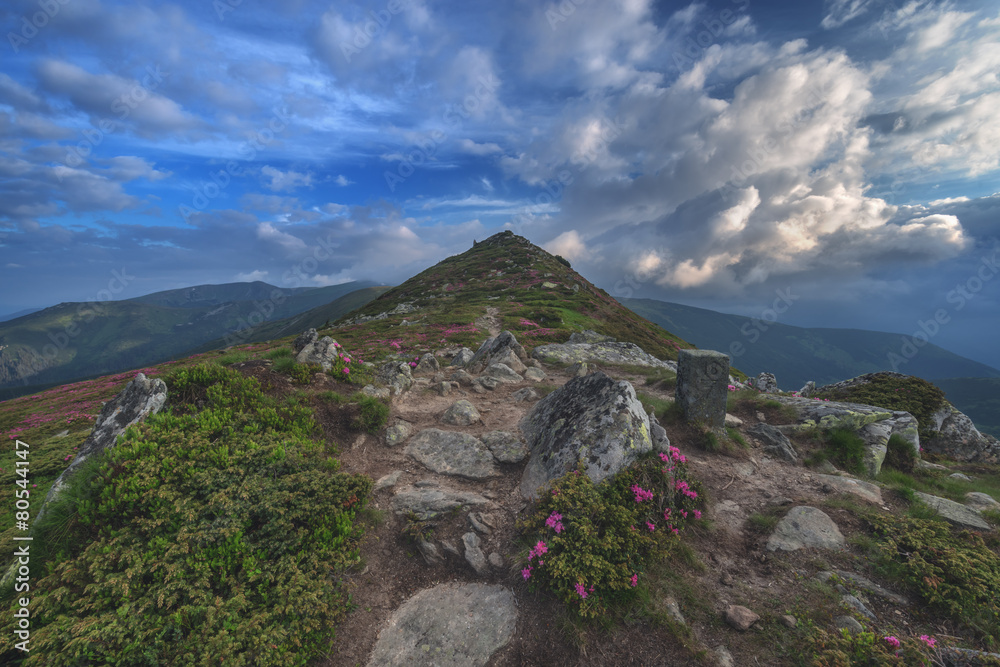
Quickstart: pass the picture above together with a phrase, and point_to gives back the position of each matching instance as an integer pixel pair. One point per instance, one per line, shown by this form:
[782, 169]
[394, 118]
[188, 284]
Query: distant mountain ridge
[71, 340]
[797, 355]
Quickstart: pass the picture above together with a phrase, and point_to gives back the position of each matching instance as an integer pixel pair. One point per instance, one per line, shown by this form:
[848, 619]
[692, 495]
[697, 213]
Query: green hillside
[76, 340]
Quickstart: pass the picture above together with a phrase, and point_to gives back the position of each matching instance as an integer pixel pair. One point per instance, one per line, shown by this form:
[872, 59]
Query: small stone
[534, 374]
[857, 605]
[674, 610]
[850, 623]
[496, 560]
[397, 434]
[487, 382]
[387, 481]
[461, 413]
[451, 548]
[578, 370]
[724, 657]
[473, 554]
[740, 617]
[476, 523]
[502, 373]
[788, 621]
[760, 417]
[961, 477]
[463, 377]
[429, 551]
[733, 421]
[525, 394]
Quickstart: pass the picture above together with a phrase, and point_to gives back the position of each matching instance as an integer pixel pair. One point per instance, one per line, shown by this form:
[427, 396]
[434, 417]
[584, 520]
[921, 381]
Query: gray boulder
[461, 413]
[981, 501]
[139, 399]
[864, 490]
[494, 349]
[396, 375]
[702, 379]
[805, 527]
[474, 555]
[808, 390]
[463, 357]
[958, 438]
[592, 423]
[534, 374]
[451, 453]
[397, 433]
[503, 374]
[766, 383]
[322, 352]
[449, 625]
[525, 394]
[427, 364]
[305, 338]
[775, 442]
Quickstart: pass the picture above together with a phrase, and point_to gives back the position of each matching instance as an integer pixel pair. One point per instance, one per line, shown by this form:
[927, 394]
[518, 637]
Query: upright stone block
[702, 386]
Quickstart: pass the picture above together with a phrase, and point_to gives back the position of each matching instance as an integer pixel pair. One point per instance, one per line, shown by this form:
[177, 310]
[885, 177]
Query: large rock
[953, 512]
[863, 490]
[449, 625]
[427, 364]
[805, 527]
[322, 352]
[451, 453]
[611, 353]
[702, 386]
[396, 375]
[958, 438]
[872, 424]
[591, 423]
[766, 383]
[426, 502]
[305, 338]
[463, 357]
[981, 501]
[775, 442]
[494, 349]
[502, 373]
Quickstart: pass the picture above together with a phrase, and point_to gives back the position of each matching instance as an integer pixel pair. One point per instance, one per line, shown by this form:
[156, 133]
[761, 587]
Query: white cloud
[342, 181]
[286, 180]
[253, 276]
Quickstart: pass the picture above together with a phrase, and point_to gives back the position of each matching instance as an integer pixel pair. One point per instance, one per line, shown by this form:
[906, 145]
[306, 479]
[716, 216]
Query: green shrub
[845, 448]
[865, 649]
[373, 413]
[591, 543]
[956, 573]
[204, 537]
[283, 364]
[330, 396]
[900, 454]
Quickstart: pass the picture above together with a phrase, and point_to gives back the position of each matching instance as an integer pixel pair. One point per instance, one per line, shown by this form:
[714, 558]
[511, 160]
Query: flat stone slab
[953, 512]
[449, 625]
[804, 527]
[863, 490]
[452, 453]
[426, 502]
[981, 501]
[614, 353]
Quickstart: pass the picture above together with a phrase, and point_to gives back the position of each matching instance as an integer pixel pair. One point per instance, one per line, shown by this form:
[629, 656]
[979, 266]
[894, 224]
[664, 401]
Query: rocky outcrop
[874, 425]
[775, 442]
[320, 352]
[960, 515]
[606, 351]
[864, 490]
[305, 338]
[496, 351]
[506, 446]
[702, 379]
[139, 399]
[396, 375]
[430, 499]
[766, 383]
[449, 625]
[592, 424]
[958, 438]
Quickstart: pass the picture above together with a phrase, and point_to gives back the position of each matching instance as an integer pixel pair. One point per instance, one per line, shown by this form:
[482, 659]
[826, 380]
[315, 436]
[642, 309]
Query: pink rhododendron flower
[641, 494]
[892, 641]
[526, 573]
[581, 591]
[555, 522]
[634, 580]
[347, 370]
[697, 514]
[930, 641]
[651, 526]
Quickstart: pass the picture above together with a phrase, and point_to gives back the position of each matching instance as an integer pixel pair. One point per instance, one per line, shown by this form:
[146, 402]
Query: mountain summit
[502, 283]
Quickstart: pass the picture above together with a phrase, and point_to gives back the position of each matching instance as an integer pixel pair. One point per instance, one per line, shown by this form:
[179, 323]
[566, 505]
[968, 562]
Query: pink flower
[581, 591]
[930, 641]
[526, 573]
[697, 514]
[413, 364]
[641, 494]
[891, 641]
[347, 370]
[634, 580]
[651, 526]
[555, 522]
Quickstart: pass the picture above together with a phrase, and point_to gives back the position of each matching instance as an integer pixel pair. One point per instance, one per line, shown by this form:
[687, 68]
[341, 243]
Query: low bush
[373, 413]
[911, 394]
[591, 543]
[900, 454]
[846, 449]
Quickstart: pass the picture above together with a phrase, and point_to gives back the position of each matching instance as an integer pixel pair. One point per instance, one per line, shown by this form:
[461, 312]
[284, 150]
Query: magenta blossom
[892, 641]
[555, 522]
[581, 590]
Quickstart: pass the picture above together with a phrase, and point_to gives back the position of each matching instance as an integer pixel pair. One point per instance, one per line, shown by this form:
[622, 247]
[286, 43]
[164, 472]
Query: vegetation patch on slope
[207, 536]
[910, 394]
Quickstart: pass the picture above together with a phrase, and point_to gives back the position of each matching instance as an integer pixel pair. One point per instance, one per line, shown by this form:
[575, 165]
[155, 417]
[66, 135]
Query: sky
[827, 163]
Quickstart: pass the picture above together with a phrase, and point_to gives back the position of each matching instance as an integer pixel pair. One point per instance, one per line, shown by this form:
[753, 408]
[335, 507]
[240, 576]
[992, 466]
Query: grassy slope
[508, 273]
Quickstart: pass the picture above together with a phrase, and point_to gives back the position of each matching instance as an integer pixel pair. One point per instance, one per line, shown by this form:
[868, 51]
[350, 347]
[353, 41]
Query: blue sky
[713, 154]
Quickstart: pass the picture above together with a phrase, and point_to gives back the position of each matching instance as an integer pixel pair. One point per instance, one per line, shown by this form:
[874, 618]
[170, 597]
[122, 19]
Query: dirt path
[490, 321]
